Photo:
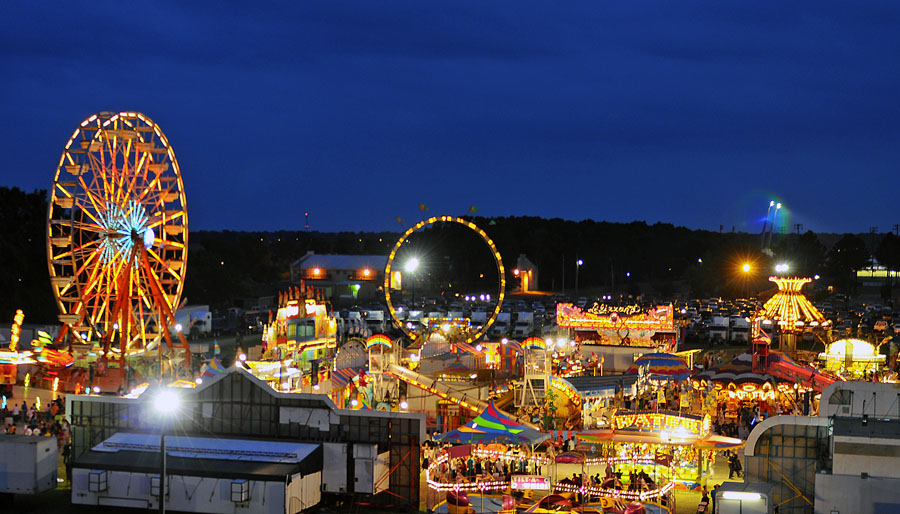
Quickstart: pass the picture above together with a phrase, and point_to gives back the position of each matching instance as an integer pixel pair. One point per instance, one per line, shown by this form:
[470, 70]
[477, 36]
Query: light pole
[765, 225]
[166, 404]
[578, 264]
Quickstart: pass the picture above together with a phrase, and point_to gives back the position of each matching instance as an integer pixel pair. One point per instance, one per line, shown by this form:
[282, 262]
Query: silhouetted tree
[847, 256]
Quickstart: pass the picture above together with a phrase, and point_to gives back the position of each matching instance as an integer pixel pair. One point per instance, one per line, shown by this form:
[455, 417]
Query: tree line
[226, 267]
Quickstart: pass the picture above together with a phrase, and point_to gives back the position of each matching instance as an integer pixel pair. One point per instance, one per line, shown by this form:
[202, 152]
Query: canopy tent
[738, 370]
[492, 426]
[661, 366]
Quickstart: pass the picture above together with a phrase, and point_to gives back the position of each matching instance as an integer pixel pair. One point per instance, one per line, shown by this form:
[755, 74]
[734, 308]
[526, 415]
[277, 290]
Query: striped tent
[662, 366]
[342, 377]
[738, 370]
[211, 368]
[493, 426]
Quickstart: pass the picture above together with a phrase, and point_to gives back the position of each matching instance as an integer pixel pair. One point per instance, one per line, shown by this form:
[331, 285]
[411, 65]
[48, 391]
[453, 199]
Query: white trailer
[28, 464]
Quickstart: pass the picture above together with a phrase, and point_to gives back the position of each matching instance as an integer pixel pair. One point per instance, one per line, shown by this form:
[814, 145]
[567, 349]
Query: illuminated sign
[532, 482]
[310, 307]
[659, 422]
[16, 330]
[602, 317]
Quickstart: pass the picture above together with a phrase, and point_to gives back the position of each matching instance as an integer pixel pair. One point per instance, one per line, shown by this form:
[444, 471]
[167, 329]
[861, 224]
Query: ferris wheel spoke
[162, 264]
[150, 187]
[160, 221]
[98, 173]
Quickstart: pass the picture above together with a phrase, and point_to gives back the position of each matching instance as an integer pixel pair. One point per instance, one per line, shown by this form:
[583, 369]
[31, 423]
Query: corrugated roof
[145, 462]
[209, 448]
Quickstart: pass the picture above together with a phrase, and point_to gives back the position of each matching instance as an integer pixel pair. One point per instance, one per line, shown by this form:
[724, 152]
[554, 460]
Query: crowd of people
[49, 421]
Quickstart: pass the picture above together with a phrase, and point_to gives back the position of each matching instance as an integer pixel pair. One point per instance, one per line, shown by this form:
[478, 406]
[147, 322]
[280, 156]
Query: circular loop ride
[494, 252]
[117, 232]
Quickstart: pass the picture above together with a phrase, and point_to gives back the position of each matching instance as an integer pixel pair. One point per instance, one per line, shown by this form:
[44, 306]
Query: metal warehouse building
[236, 443]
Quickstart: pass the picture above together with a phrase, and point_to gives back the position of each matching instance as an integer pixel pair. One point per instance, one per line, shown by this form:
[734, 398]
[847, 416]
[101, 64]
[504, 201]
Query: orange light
[367, 272]
[316, 271]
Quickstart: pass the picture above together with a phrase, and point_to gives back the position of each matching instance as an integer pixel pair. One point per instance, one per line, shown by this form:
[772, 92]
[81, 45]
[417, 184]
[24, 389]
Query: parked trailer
[28, 464]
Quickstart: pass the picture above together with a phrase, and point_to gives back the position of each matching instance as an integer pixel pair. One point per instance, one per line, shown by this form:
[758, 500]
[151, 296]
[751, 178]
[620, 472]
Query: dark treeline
[226, 267]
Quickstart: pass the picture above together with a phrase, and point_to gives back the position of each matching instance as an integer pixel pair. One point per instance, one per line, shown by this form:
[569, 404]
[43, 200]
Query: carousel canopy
[493, 426]
[662, 366]
[738, 370]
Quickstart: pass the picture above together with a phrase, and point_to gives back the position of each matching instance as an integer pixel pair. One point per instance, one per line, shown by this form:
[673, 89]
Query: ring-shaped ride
[494, 252]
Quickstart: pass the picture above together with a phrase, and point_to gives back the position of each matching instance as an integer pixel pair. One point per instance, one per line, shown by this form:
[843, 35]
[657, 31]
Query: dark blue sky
[693, 113]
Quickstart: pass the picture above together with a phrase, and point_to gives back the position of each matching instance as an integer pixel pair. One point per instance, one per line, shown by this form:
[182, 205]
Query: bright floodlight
[178, 327]
[166, 401]
[412, 264]
[772, 203]
[778, 205]
[404, 405]
[781, 268]
[580, 262]
[738, 495]
[746, 268]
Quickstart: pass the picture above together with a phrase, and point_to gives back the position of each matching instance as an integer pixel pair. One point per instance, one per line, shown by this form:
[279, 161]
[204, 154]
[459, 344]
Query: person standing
[715, 491]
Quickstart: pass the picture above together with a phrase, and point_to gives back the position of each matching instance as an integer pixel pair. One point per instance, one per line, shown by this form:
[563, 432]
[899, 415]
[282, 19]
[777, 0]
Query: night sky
[692, 113]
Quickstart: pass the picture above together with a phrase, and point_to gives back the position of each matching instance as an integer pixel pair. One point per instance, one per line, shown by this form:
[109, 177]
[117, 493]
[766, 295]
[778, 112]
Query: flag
[473, 209]
[423, 207]
[399, 220]
[493, 222]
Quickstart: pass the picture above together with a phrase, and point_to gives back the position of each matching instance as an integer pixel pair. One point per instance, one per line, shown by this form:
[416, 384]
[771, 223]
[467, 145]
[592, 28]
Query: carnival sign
[532, 482]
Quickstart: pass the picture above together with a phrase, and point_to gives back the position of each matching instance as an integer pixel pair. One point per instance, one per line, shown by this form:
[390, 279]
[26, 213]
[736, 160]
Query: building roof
[204, 456]
[342, 262]
[144, 462]
[598, 386]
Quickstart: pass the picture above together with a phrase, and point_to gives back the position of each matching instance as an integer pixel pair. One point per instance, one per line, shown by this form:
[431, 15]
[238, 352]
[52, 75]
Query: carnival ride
[117, 234]
[393, 277]
[853, 357]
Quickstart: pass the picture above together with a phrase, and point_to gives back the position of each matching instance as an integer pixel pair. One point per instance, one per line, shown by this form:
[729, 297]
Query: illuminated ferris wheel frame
[117, 233]
[498, 261]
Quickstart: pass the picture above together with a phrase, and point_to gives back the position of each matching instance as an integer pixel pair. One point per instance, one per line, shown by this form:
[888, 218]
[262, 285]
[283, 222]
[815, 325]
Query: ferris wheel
[117, 233]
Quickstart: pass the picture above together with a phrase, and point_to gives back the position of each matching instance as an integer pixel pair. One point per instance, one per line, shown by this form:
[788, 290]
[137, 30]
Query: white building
[845, 461]
[208, 475]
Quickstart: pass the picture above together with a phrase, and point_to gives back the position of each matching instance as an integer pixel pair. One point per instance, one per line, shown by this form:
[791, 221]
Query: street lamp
[578, 264]
[166, 403]
[746, 269]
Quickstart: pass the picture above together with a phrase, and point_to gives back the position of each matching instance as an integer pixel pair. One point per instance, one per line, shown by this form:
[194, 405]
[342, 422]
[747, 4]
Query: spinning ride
[117, 234]
[393, 278]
